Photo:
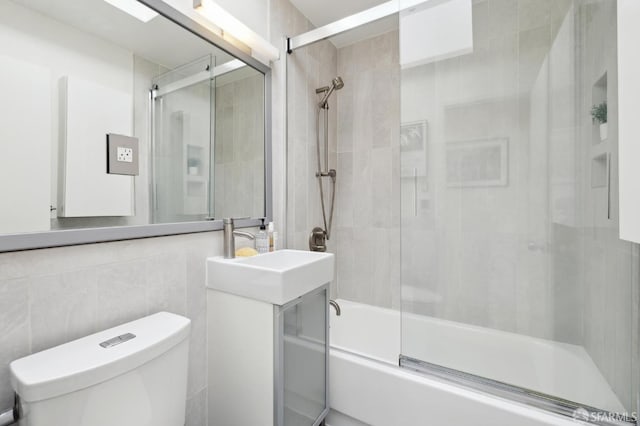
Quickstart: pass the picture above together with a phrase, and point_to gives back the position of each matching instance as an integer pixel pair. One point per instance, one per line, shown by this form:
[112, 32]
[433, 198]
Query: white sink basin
[277, 277]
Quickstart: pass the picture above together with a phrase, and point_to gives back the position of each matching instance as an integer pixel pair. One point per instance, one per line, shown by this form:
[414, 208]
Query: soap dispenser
[262, 239]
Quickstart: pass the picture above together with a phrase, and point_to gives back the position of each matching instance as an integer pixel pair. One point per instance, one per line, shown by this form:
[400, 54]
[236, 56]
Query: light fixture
[135, 9]
[260, 48]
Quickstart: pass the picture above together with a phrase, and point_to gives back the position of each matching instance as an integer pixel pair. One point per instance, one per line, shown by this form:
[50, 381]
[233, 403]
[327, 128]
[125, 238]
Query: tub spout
[335, 306]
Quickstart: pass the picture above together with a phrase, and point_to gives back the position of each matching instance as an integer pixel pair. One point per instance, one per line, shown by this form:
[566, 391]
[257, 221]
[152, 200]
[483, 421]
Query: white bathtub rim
[389, 344]
[363, 355]
[349, 304]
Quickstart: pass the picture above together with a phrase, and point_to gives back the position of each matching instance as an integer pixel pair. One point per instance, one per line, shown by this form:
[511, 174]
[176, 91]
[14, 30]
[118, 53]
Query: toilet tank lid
[84, 362]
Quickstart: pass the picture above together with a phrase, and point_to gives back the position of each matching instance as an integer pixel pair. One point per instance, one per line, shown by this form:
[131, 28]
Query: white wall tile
[166, 288]
[54, 322]
[121, 293]
[368, 172]
[65, 293]
[197, 409]
[14, 331]
[197, 375]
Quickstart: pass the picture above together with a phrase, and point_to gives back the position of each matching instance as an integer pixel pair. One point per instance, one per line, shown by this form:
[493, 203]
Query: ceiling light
[134, 8]
[260, 48]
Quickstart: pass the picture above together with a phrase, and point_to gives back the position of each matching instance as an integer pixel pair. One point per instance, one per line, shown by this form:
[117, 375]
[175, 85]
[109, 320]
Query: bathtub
[367, 386]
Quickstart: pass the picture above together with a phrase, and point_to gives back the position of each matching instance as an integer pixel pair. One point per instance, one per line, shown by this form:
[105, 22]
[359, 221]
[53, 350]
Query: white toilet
[131, 375]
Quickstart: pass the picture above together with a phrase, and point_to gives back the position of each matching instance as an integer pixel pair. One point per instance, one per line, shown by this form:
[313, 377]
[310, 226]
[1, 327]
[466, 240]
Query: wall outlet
[125, 155]
[122, 155]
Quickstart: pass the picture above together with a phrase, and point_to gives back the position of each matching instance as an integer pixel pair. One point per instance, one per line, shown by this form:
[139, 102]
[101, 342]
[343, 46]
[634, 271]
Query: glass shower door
[182, 128]
[512, 269]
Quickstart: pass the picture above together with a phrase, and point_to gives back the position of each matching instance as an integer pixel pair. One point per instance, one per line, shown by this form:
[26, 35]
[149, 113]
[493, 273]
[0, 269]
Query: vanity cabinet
[268, 339]
[268, 364]
[302, 361]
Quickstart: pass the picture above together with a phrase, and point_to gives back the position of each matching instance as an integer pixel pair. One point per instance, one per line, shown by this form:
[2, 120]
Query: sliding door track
[528, 397]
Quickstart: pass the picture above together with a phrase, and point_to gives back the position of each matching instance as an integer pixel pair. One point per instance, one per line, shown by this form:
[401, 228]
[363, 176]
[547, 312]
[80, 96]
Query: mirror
[119, 117]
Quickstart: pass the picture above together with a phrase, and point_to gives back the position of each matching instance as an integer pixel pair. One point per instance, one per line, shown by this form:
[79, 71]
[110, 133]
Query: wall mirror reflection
[117, 116]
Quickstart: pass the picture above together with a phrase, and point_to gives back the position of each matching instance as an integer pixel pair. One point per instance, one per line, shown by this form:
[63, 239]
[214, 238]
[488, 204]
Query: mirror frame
[59, 238]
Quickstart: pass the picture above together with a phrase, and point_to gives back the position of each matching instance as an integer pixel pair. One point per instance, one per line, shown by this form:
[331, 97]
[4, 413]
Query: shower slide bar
[198, 78]
[351, 22]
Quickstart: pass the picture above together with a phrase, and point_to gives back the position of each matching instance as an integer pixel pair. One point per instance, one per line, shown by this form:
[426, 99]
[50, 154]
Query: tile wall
[367, 220]
[305, 69]
[609, 266]
[239, 149]
[52, 296]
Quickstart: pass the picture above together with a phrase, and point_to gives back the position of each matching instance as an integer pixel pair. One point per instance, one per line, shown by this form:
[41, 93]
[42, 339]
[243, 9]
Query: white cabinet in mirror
[74, 71]
[628, 123]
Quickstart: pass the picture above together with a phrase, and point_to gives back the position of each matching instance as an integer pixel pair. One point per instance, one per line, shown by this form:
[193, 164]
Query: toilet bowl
[134, 374]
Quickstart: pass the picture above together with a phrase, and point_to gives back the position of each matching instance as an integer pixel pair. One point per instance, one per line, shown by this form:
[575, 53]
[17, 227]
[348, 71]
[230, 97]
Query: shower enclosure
[512, 269]
[478, 195]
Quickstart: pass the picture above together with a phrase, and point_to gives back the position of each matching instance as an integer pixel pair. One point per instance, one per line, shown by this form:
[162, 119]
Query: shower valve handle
[332, 173]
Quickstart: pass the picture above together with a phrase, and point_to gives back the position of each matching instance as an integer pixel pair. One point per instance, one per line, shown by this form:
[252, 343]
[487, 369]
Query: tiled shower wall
[307, 69]
[478, 254]
[367, 220]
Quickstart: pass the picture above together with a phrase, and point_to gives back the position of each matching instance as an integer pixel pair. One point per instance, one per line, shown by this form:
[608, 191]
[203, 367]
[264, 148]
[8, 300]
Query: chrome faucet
[230, 238]
[336, 307]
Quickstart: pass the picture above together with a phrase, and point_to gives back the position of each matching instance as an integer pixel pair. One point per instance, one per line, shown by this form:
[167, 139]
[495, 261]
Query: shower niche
[599, 100]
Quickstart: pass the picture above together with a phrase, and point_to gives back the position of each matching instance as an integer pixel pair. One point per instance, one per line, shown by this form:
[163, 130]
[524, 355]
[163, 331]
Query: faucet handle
[230, 234]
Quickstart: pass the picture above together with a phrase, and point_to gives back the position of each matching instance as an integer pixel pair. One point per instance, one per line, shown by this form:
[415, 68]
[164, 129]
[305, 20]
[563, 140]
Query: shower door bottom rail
[528, 397]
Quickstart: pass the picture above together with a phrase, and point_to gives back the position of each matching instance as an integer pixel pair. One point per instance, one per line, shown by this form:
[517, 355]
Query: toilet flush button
[114, 341]
[126, 337]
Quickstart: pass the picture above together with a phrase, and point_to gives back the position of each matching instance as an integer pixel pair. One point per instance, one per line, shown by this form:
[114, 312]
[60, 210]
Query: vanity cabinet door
[304, 361]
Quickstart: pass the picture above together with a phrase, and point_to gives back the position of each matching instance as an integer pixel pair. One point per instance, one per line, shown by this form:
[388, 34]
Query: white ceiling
[158, 40]
[326, 11]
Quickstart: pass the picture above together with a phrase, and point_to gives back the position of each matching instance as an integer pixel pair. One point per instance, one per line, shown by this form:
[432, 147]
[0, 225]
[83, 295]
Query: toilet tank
[131, 375]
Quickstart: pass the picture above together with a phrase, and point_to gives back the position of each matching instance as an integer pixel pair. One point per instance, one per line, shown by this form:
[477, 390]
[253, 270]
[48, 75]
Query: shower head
[336, 84]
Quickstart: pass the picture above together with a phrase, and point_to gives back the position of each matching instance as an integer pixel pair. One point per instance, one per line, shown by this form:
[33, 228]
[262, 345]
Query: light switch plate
[122, 155]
